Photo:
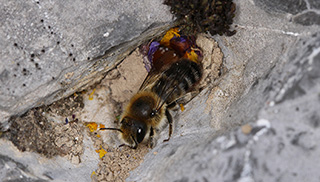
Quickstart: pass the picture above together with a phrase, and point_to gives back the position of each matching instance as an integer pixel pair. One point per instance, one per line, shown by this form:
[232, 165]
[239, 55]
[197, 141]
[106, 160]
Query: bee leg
[169, 117]
[151, 138]
[172, 105]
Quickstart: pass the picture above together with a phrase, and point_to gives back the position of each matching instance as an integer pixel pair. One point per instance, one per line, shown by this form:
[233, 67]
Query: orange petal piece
[92, 126]
[91, 94]
[93, 173]
[169, 35]
[182, 107]
[192, 56]
[101, 152]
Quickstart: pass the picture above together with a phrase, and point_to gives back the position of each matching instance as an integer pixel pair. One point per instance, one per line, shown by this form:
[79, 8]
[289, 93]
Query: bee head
[133, 131]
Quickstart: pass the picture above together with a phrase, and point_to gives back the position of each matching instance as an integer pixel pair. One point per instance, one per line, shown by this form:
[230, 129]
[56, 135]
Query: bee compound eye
[140, 134]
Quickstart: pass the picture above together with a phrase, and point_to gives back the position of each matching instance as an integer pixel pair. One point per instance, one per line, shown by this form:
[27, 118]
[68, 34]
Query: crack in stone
[295, 34]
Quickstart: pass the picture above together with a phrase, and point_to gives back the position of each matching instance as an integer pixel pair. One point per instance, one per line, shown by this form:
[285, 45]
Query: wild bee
[176, 70]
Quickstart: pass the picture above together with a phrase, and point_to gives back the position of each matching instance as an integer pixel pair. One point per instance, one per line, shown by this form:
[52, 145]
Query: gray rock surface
[49, 49]
[272, 85]
[278, 96]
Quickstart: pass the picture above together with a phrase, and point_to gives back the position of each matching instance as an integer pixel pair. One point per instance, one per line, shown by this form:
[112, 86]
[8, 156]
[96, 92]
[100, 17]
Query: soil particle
[32, 132]
[36, 131]
[212, 60]
[117, 164]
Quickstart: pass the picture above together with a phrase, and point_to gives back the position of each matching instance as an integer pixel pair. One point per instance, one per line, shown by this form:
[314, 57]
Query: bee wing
[169, 83]
[151, 78]
[165, 94]
[162, 60]
[164, 88]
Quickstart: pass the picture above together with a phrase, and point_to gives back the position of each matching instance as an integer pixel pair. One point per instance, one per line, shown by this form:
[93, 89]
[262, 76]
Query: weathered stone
[271, 82]
[288, 6]
[308, 18]
[11, 170]
[314, 4]
[49, 50]
[279, 87]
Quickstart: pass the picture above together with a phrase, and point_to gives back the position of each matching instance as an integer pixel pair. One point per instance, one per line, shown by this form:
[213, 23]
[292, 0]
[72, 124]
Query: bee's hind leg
[169, 117]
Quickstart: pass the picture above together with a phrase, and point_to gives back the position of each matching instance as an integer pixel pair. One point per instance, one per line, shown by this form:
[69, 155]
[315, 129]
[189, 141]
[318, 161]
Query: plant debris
[194, 16]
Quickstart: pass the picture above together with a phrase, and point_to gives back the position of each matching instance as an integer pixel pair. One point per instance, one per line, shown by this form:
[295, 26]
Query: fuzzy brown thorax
[139, 116]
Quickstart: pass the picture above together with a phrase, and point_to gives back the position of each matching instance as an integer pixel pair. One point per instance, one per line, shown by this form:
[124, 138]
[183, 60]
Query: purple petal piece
[147, 64]
[154, 46]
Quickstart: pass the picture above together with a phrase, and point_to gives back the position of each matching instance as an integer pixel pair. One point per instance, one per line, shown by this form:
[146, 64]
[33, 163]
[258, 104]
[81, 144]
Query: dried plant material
[214, 16]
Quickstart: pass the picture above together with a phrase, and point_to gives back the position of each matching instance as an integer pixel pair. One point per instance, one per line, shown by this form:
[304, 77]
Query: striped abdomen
[177, 80]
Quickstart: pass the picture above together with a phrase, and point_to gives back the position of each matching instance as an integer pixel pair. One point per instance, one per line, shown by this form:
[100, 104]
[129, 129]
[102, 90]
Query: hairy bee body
[137, 120]
[183, 76]
[147, 111]
[176, 70]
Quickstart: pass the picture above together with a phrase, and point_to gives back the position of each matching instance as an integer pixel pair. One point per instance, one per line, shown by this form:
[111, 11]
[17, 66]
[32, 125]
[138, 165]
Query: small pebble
[246, 129]
[75, 159]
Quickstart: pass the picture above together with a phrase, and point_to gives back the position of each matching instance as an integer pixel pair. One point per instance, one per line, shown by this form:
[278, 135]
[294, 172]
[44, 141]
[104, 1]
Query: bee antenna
[124, 145]
[116, 129]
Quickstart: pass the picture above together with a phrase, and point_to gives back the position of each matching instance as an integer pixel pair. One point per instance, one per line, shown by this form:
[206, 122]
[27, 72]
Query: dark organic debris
[214, 16]
[32, 132]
